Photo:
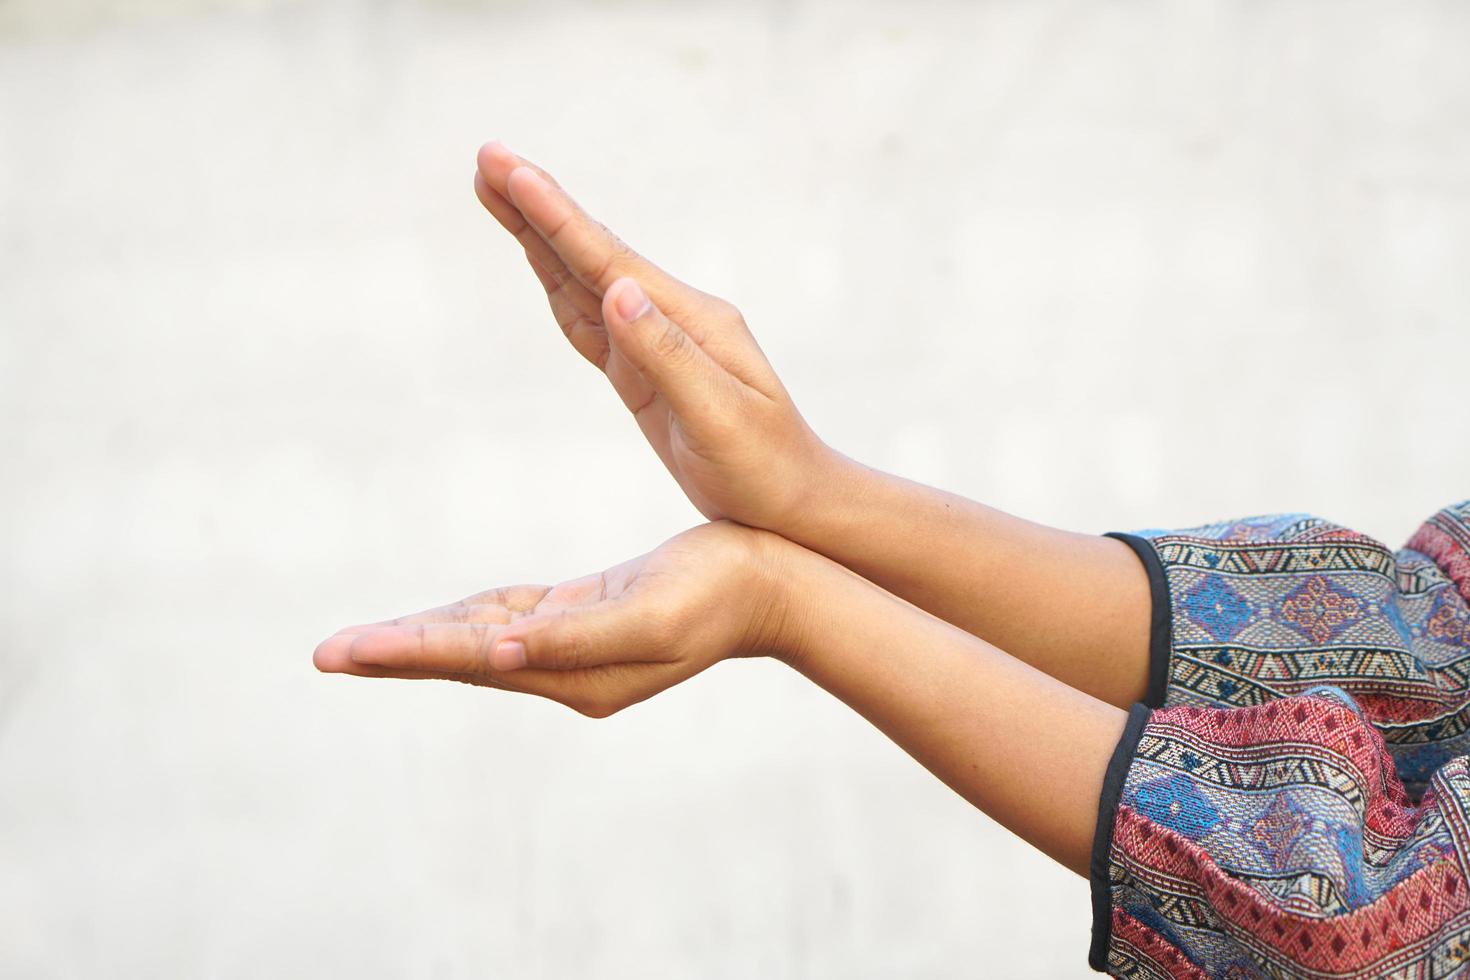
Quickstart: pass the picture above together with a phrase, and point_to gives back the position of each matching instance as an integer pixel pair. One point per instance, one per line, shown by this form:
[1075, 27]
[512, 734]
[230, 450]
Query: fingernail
[365, 648]
[632, 302]
[509, 655]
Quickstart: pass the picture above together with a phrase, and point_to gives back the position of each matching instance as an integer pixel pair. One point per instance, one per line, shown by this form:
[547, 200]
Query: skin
[895, 597]
[714, 411]
[968, 712]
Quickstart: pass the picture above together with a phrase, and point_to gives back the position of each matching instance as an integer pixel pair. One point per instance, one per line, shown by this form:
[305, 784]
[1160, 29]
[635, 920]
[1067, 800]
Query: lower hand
[596, 644]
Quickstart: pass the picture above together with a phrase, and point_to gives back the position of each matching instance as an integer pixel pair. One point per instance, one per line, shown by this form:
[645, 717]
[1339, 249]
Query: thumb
[611, 631]
[660, 350]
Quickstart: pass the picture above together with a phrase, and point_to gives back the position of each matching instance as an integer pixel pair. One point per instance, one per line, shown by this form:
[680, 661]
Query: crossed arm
[895, 597]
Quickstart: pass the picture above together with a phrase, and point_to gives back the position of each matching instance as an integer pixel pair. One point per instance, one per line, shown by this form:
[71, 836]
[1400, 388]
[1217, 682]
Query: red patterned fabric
[1277, 840]
[1298, 803]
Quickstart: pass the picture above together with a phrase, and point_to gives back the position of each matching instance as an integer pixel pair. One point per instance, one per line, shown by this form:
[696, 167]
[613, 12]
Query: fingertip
[628, 299]
[330, 655]
[494, 201]
[495, 162]
[493, 152]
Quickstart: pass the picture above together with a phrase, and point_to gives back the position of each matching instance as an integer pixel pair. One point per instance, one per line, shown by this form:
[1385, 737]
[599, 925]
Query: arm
[1016, 743]
[1075, 606]
[1023, 747]
[684, 363]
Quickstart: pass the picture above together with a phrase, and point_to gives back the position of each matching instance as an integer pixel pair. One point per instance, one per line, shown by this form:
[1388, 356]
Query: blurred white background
[266, 368]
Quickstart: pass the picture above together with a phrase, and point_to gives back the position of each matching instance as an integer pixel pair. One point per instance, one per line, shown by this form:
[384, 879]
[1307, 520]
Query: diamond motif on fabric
[1449, 622]
[1215, 605]
[1321, 610]
[1276, 830]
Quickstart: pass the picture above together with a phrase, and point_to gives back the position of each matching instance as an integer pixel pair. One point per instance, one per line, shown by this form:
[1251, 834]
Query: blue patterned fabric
[1270, 606]
[1298, 804]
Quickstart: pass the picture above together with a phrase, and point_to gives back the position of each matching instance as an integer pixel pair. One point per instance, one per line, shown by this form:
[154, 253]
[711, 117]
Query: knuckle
[605, 257]
[726, 311]
[569, 646]
[480, 659]
[575, 647]
[619, 255]
[620, 248]
[421, 645]
[669, 342]
[604, 269]
[665, 632]
[718, 314]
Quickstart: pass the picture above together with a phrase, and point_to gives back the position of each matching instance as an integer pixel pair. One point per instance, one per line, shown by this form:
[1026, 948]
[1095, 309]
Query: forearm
[1075, 606]
[1025, 748]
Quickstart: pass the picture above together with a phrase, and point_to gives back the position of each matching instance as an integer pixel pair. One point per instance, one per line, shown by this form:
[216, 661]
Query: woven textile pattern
[1271, 606]
[1277, 841]
[1300, 806]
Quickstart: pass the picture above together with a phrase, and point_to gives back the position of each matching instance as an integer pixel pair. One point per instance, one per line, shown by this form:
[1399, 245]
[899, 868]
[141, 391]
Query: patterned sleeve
[1251, 610]
[1276, 841]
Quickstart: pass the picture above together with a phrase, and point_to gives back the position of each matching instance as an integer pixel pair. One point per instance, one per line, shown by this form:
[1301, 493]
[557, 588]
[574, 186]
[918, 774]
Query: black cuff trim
[1161, 622]
[1102, 838]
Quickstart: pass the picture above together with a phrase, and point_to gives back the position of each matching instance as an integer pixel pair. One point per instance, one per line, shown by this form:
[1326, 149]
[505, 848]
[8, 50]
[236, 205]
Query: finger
[590, 251]
[597, 258]
[608, 633]
[495, 161]
[597, 690]
[576, 309]
[388, 673]
[658, 349]
[331, 657]
[547, 280]
[574, 637]
[587, 334]
[459, 648]
[549, 267]
[457, 652]
[493, 166]
[632, 387]
[458, 612]
[491, 606]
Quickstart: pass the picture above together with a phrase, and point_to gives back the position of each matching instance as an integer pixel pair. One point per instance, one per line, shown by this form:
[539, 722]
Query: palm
[620, 635]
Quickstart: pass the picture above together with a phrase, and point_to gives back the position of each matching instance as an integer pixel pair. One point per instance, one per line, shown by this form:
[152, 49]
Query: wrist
[779, 576]
[832, 489]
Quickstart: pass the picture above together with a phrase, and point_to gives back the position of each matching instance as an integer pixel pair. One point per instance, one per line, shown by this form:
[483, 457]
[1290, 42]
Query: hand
[710, 405]
[596, 644]
[682, 361]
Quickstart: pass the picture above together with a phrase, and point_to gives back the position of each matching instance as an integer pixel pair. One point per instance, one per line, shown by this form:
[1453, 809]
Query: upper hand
[596, 644]
[682, 361]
